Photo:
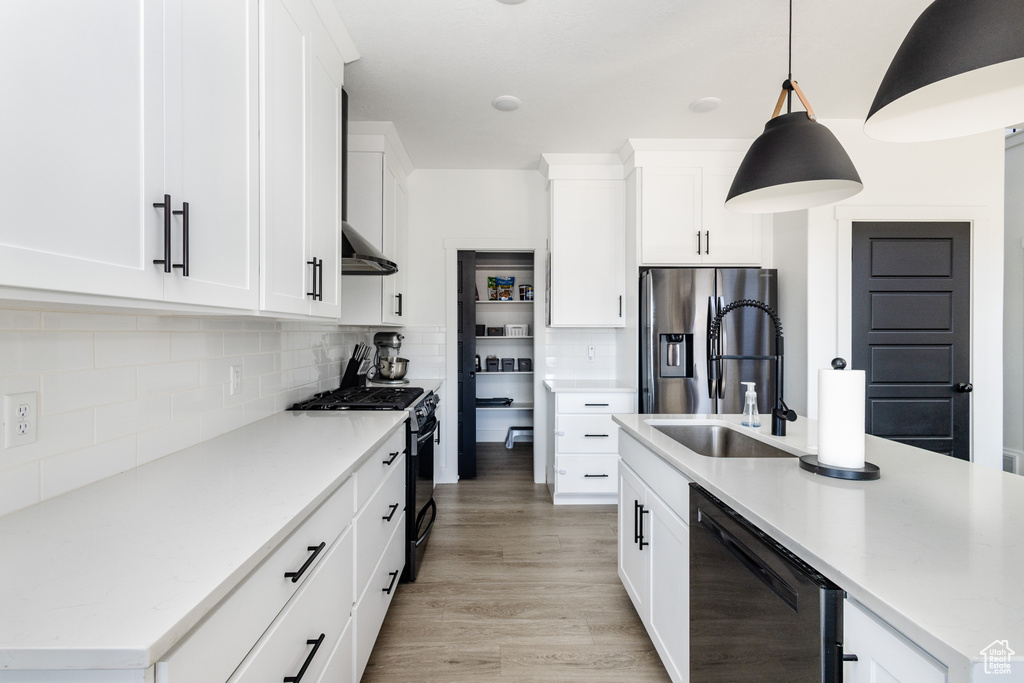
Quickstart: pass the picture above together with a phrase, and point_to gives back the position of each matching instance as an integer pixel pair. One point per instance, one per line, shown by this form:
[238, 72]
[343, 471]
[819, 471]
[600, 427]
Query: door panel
[467, 363]
[911, 331]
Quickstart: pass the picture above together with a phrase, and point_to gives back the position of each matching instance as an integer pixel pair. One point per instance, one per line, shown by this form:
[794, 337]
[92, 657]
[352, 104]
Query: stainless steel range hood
[359, 257]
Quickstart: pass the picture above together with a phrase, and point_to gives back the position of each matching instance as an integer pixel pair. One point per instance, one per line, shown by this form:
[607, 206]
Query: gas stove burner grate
[362, 398]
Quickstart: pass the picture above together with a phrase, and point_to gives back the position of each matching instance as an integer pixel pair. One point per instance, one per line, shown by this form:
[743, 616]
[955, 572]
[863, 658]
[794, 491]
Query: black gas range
[421, 510]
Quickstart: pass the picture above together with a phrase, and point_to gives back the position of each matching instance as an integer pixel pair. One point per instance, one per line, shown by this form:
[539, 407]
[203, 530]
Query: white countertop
[935, 547]
[587, 385]
[111, 575]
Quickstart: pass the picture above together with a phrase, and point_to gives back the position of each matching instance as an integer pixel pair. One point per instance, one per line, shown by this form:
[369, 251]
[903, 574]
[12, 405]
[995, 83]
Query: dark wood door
[911, 332]
[467, 364]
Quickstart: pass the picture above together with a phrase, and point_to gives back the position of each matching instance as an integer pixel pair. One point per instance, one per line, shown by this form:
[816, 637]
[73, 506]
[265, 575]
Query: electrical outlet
[591, 353]
[20, 416]
[234, 379]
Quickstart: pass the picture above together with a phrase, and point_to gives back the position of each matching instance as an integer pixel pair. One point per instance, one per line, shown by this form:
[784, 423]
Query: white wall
[959, 179]
[1013, 313]
[789, 237]
[119, 390]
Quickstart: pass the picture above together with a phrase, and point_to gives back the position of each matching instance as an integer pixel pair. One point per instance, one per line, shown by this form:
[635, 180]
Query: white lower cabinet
[883, 655]
[314, 607]
[584, 453]
[654, 561]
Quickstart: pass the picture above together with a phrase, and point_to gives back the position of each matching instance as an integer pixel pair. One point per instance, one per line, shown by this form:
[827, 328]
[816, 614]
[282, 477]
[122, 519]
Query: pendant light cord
[789, 77]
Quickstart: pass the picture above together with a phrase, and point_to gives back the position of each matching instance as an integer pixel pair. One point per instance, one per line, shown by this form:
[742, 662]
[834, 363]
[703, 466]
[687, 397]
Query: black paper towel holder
[810, 463]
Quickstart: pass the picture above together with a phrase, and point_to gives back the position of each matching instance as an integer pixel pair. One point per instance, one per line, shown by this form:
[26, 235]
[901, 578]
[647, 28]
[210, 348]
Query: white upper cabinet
[212, 151]
[378, 210]
[111, 105]
[301, 162]
[81, 131]
[683, 221]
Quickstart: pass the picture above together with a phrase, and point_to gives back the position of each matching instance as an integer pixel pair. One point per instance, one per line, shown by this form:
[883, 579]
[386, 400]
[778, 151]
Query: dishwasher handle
[750, 560]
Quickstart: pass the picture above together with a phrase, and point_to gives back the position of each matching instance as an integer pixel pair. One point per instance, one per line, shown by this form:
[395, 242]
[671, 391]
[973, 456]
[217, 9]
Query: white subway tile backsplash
[122, 419]
[19, 487]
[62, 320]
[65, 391]
[167, 378]
[132, 348]
[62, 473]
[187, 404]
[25, 352]
[193, 345]
[118, 390]
[156, 443]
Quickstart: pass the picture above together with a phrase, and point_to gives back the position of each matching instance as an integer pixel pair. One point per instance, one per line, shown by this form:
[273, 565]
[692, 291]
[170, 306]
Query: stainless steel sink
[716, 441]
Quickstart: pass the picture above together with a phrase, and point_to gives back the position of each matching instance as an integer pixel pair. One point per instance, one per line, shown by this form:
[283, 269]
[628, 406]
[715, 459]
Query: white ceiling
[593, 73]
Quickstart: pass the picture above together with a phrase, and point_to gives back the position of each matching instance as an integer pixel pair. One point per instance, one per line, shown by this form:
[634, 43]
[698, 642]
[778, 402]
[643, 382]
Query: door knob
[965, 388]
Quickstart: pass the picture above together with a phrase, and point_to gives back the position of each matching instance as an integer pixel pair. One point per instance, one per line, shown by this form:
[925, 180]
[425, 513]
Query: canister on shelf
[525, 365]
[508, 364]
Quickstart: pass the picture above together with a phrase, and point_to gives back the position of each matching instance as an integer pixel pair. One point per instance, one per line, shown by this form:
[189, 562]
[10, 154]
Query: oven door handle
[419, 520]
[427, 433]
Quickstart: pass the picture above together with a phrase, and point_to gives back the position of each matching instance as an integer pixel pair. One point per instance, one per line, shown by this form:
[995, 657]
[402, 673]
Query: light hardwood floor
[514, 589]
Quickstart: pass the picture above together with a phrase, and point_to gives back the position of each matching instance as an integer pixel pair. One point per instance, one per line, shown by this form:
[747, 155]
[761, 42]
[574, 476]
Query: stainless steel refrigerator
[677, 306]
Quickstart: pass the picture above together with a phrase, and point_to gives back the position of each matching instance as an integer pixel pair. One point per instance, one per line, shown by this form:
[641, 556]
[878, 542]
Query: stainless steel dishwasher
[757, 611]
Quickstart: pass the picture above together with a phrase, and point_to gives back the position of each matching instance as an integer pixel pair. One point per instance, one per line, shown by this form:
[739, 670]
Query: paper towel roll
[841, 418]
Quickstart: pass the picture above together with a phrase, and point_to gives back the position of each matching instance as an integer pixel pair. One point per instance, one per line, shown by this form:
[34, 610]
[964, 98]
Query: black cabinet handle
[312, 282]
[636, 521]
[595, 476]
[315, 550]
[309, 658]
[620, 305]
[707, 241]
[393, 456]
[596, 436]
[595, 405]
[394, 509]
[166, 206]
[394, 577]
[320, 279]
[437, 434]
[965, 388]
[850, 658]
[184, 239]
[642, 513]
[399, 311]
[698, 243]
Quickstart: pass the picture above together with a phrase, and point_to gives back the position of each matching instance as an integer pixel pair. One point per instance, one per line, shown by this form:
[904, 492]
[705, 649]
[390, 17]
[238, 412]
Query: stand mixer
[390, 367]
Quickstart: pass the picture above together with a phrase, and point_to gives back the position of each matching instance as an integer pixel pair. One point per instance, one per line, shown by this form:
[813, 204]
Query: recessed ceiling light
[506, 102]
[704, 105]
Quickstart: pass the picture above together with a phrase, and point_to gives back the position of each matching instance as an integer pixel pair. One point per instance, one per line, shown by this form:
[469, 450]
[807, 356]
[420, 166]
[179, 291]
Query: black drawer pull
[394, 577]
[596, 405]
[309, 658]
[850, 658]
[314, 550]
[596, 436]
[394, 509]
[641, 540]
[393, 457]
[595, 476]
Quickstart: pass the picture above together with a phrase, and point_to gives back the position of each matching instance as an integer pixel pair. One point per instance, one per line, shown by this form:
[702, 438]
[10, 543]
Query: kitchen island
[934, 548]
[107, 582]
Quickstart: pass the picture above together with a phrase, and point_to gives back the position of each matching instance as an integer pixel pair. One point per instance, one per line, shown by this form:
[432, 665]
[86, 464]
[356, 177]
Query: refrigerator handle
[712, 365]
[647, 382]
[722, 344]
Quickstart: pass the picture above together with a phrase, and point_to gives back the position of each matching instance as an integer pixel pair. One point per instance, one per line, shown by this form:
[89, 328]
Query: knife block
[352, 378]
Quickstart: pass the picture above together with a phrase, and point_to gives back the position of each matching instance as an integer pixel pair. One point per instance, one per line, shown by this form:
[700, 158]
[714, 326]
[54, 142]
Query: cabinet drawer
[318, 612]
[616, 402]
[880, 647]
[377, 522]
[369, 612]
[373, 471]
[586, 434]
[586, 473]
[215, 647]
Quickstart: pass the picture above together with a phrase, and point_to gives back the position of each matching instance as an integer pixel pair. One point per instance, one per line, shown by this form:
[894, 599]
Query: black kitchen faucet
[781, 412]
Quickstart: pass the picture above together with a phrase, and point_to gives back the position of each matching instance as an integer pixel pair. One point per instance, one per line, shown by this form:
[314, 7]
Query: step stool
[522, 432]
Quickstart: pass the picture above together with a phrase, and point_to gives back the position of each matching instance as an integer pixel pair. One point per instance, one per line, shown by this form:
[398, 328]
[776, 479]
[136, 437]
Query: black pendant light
[959, 71]
[796, 163]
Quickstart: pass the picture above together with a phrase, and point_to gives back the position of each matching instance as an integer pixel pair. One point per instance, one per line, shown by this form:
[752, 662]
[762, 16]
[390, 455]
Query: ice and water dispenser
[676, 355]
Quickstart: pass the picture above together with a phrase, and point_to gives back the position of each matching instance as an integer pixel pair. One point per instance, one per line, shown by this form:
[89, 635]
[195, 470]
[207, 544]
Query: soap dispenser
[750, 416]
